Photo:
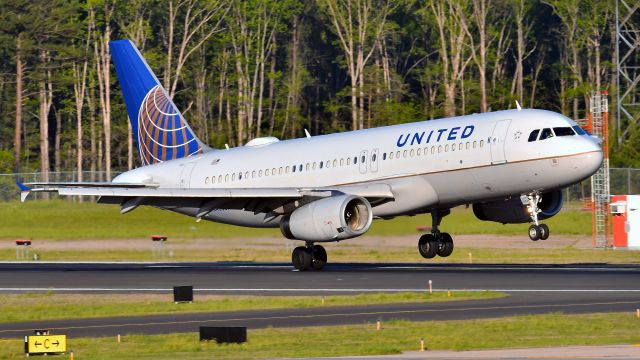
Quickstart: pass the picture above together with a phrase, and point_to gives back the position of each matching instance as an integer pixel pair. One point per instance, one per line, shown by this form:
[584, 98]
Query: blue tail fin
[160, 131]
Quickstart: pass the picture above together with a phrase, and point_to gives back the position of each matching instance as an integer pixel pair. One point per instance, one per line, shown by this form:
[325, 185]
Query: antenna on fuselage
[226, 146]
[518, 105]
[306, 133]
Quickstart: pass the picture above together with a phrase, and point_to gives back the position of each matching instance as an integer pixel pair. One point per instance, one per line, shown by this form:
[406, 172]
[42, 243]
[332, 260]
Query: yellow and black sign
[45, 344]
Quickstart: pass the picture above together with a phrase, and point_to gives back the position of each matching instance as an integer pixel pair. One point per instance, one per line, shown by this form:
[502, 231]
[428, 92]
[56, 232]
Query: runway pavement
[533, 289]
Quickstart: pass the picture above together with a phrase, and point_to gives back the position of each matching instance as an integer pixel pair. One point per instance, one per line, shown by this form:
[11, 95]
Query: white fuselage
[428, 164]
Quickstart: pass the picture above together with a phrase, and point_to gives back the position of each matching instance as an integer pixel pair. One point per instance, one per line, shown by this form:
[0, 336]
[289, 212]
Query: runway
[533, 289]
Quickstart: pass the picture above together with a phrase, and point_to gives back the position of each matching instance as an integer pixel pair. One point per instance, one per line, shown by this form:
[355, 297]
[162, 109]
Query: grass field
[49, 306]
[59, 219]
[395, 337]
[533, 255]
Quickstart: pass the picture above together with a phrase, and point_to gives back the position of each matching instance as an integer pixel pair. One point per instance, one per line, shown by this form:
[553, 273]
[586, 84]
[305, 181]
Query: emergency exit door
[498, 141]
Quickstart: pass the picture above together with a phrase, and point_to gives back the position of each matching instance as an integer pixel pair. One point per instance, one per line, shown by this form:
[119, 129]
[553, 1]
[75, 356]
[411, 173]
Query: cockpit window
[546, 133]
[534, 135]
[563, 131]
[579, 130]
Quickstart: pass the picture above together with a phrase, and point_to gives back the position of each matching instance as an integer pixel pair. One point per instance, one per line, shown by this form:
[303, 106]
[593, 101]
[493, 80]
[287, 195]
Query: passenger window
[453, 147]
[433, 149]
[239, 176]
[320, 164]
[226, 178]
[404, 153]
[546, 133]
[293, 168]
[475, 143]
[260, 173]
[313, 166]
[419, 151]
[411, 153]
[446, 147]
[355, 160]
[534, 135]
[219, 178]
[363, 158]
[213, 179]
[398, 154]
[335, 162]
[280, 171]
[206, 180]
[467, 145]
[273, 171]
[481, 143]
[300, 167]
[563, 131]
[341, 162]
[373, 158]
[460, 147]
[253, 174]
[384, 156]
[391, 155]
[233, 177]
[349, 161]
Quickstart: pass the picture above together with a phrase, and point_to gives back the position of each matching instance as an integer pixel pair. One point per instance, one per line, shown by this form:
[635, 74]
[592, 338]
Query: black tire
[428, 246]
[445, 247]
[534, 232]
[301, 258]
[319, 257]
[544, 232]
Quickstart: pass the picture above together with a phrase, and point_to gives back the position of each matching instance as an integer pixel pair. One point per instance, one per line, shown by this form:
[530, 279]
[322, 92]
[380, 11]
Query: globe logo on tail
[163, 134]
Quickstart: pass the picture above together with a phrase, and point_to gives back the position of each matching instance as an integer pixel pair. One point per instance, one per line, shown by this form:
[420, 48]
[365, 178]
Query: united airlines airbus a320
[510, 166]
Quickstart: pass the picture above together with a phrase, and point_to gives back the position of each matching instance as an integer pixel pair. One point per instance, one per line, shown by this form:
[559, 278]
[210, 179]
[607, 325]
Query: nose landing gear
[537, 231]
[309, 257]
[436, 243]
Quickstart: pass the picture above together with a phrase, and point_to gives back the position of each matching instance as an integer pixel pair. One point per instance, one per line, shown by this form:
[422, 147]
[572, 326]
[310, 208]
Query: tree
[359, 26]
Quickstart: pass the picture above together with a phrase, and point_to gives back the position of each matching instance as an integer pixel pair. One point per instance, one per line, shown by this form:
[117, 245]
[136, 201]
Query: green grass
[49, 306]
[59, 219]
[339, 253]
[395, 337]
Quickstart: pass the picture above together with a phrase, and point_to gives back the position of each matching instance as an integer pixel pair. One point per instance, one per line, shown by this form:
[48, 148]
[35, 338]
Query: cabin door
[185, 175]
[498, 140]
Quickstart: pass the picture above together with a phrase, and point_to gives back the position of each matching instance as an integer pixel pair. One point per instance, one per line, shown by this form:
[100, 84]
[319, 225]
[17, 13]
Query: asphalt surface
[533, 289]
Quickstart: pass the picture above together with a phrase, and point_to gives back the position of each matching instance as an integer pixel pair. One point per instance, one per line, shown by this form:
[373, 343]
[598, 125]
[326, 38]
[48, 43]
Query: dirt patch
[276, 243]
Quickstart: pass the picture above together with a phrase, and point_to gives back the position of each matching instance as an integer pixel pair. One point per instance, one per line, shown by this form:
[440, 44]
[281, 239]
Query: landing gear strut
[436, 243]
[537, 231]
[309, 257]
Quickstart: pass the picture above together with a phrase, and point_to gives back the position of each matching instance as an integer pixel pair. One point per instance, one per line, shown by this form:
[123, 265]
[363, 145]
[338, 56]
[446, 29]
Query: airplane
[510, 166]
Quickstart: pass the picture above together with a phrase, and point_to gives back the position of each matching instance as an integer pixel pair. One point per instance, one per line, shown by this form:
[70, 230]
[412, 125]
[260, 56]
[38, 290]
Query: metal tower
[600, 189]
[628, 65]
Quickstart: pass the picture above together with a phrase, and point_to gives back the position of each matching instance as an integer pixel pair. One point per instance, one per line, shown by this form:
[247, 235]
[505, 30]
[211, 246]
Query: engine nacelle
[513, 212]
[329, 219]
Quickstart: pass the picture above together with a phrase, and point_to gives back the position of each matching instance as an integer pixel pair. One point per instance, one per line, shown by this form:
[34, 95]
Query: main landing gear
[436, 243]
[309, 257]
[537, 231]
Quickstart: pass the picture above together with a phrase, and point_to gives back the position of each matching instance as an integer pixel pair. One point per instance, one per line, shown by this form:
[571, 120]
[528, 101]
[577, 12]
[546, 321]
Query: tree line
[241, 69]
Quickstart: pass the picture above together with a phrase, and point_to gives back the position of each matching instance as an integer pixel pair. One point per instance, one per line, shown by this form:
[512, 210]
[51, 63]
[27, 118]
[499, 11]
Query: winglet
[306, 133]
[24, 191]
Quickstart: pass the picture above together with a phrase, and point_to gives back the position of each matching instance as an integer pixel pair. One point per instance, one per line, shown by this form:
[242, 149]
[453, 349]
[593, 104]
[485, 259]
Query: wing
[130, 196]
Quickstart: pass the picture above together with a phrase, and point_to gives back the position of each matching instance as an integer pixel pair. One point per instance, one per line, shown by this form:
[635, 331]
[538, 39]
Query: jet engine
[512, 211]
[329, 219]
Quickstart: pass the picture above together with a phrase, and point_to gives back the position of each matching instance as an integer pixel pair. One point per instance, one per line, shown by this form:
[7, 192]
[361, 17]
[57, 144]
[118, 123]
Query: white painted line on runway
[318, 290]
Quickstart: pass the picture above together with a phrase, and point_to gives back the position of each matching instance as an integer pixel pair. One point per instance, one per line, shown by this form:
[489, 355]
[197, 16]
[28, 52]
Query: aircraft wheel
[428, 246]
[534, 232]
[319, 257]
[544, 232]
[445, 247]
[301, 258]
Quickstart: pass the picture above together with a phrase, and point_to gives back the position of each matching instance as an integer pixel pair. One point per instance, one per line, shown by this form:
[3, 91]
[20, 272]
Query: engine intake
[329, 219]
[512, 211]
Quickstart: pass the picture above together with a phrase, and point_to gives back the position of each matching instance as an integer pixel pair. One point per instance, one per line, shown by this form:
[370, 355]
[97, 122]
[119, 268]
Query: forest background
[240, 69]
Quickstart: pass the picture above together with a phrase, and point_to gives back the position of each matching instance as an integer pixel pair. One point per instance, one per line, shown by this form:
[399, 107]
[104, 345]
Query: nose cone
[591, 158]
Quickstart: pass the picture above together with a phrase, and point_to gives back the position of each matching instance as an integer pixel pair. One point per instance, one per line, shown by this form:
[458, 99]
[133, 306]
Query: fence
[623, 181]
